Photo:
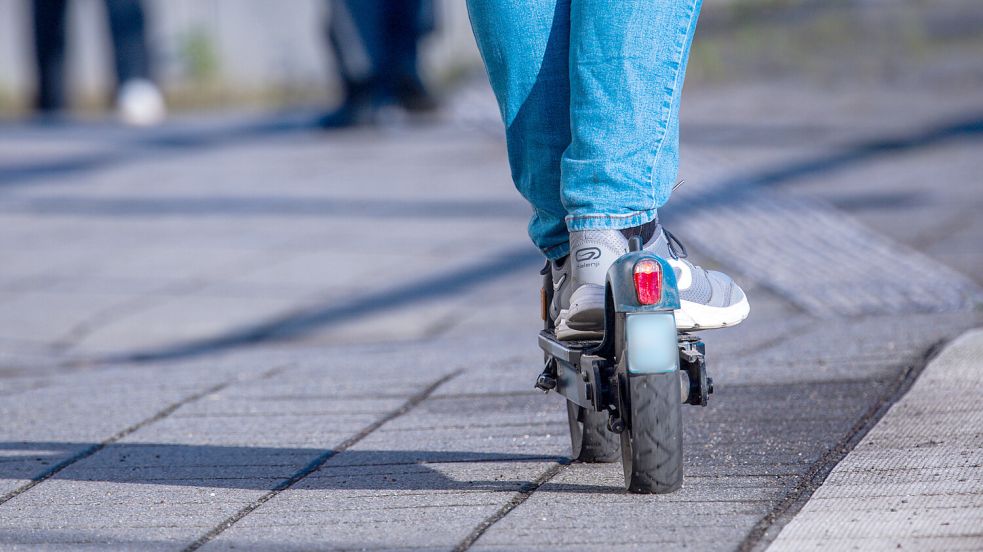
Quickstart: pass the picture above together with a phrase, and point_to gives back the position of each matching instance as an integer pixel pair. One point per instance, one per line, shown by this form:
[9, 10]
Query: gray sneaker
[708, 299]
[580, 299]
[560, 306]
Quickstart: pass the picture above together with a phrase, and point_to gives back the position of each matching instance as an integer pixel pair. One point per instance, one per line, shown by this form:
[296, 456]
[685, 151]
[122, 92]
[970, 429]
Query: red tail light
[648, 281]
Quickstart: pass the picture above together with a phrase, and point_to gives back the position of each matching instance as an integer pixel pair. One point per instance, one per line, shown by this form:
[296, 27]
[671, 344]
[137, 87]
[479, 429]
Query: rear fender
[621, 285]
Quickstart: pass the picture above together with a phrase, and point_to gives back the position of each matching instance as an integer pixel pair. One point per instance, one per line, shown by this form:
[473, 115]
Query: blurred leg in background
[408, 22]
[376, 44]
[138, 101]
[49, 54]
[357, 42]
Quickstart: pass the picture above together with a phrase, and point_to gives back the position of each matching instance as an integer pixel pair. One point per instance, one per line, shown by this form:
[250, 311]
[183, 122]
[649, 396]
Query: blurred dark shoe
[50, 117]
[351, 113]
[414, 97]
[358, 108]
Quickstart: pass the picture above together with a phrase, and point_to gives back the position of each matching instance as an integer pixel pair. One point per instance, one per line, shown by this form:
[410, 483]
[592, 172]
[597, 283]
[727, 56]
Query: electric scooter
[626, 390]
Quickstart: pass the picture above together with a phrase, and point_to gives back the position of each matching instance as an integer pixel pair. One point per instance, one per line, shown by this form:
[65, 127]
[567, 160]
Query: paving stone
[915, 489]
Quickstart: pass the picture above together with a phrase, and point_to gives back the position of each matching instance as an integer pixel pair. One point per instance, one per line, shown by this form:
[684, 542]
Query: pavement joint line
[92, 449]
[538, 425]
[319, 461]
[504, 459]
[761, 535]
[833, 382]
[531, 392]
[511, 505]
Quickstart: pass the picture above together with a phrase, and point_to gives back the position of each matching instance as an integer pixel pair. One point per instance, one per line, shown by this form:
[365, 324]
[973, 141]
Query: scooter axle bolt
[616, 425]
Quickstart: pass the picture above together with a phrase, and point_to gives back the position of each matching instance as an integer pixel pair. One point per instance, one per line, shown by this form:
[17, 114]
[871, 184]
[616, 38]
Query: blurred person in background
[589, 91]
[138, 100]
[376, 46]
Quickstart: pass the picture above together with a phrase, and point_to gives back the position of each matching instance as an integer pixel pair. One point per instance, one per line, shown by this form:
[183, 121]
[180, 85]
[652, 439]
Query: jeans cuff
[557, 251]
[578, 223]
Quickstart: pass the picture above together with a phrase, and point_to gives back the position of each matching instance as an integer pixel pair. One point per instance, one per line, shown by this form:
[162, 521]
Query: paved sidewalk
[915, 482]
[236, 333]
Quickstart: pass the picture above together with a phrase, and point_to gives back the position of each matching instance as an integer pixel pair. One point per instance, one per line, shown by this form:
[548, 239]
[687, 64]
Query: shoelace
[672, 241]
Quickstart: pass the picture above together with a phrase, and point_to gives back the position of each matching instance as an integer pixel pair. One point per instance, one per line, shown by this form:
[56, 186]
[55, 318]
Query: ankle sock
[645, 231]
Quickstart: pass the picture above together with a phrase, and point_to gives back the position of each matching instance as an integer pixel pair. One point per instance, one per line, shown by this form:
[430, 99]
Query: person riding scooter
[589, 92]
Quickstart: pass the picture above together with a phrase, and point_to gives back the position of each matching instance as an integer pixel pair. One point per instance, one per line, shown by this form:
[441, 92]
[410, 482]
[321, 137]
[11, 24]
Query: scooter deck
[569, 351]
[573, 363]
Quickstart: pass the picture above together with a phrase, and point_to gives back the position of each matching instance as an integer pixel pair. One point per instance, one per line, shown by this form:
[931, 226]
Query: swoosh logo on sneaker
[556, 285]
[684, 277]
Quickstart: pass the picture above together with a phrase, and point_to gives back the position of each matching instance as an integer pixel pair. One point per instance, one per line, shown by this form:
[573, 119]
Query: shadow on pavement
[969, 127]
[732, 191]
[295, 325]
[263, 468]
[190, 140]
[877, 201]
[232, 206]
[134, 145]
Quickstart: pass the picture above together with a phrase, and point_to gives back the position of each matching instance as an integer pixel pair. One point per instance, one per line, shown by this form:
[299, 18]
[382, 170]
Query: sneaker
[580, 298]
[560, 306]
[140, 103]
[708, 299]
[359, 107]
[413, 96]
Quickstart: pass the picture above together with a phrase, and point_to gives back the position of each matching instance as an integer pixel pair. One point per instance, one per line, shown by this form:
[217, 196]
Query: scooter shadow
[263, 468]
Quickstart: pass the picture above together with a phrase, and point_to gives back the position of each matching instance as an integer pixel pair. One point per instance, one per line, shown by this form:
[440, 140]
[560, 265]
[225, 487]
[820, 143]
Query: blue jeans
[589, 92]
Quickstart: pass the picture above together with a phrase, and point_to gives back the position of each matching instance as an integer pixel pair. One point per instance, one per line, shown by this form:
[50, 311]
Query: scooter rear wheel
[652, 442]
[590, 439]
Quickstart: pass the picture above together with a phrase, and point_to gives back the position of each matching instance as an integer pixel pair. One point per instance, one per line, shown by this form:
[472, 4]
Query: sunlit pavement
[238, 332]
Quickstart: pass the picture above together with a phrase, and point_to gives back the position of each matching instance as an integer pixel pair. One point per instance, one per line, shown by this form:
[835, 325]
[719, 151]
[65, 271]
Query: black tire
[590, 439]
[652, 443]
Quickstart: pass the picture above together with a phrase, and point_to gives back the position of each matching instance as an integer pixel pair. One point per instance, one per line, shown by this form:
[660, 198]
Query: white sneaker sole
[695, 316]
[586, 306]
[691, 316]
[586, 313]
[566, 333]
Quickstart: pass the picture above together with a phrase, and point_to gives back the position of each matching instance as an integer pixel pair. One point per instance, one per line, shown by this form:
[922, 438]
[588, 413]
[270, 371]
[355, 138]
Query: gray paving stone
[442, 447]
[903, 456]
[45, 426]
[872, 348]
[28, 540]
[757, 439]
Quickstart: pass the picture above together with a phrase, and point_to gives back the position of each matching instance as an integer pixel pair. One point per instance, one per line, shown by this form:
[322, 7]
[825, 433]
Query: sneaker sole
[690, 316]
[566, 333]
[695, 316]
[586, 310]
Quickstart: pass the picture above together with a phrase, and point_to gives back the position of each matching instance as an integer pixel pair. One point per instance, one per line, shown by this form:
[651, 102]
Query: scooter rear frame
[632, 382]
